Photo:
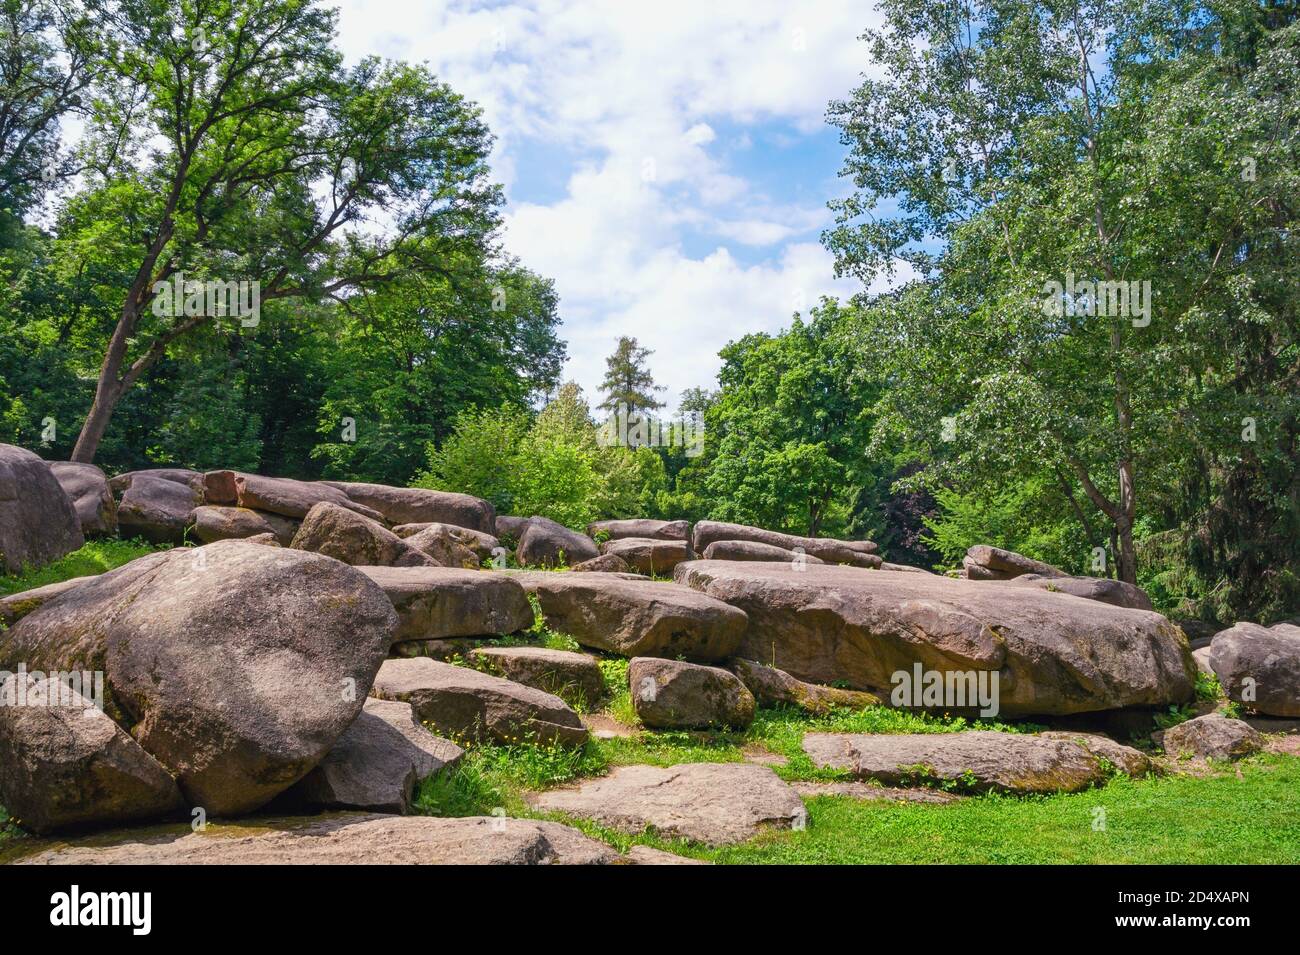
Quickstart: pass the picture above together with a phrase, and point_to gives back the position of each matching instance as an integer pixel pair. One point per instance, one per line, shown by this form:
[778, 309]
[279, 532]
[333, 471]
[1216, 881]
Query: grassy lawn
[95, 557]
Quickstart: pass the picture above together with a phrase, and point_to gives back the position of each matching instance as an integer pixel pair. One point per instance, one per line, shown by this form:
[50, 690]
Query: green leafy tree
[226, 142]
[1011, 160]
[788, 428]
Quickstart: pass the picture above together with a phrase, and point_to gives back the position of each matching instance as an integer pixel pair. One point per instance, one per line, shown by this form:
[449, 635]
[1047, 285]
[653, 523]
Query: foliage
[93, 557]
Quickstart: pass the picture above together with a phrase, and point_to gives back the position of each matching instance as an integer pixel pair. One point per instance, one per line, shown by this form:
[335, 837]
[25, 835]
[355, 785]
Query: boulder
[673, 694]
[753, 550]
[978, 761]
[468, 705]
[445, 547]
[64, 764]
[376, 763]
[16, 606]
[637, 617]
[214, 523]
[547, 544]
[1213, 736]
[121, 483]
[268, 540]
[88, 488]
[604, 564]
[1006, 564]
[904, 568]
[773, 687]
[1055, 654]
[236, 666]
[1202, 658]
[1130, 761]
[354, 539]
[38, 522]
[434, 603]
[509, 527]
[293, 498]
[1117, 593]
[646, 555]
[712, 803]
[828, 550]
[220, 489]
[573, 677]
[159, 505]
[484, 545]
[1259, 667]
[414, 505]
[343, 838]
[643, 528]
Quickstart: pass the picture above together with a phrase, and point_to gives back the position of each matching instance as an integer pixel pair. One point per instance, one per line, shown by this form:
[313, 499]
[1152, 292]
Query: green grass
[1219, 818]
[95, 557]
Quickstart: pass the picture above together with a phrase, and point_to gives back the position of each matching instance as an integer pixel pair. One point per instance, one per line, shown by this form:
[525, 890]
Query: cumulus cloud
[656, 234]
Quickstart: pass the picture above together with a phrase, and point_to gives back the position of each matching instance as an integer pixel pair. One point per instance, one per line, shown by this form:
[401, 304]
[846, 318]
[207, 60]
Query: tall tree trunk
[108, 389]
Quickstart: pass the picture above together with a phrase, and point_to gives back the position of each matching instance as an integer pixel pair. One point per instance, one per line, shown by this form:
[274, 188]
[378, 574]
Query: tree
[46, 66]
[788, 428]
[628, 386]
[229, 144]
[1093, 257]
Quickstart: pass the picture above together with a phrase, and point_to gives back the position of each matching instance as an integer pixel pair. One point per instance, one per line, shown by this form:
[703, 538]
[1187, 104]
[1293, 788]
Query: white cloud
[639, 93]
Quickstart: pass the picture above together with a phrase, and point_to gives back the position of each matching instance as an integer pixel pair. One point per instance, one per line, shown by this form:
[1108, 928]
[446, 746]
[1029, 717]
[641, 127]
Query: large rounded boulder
[38, 522]
[91, 496]
[235, 666]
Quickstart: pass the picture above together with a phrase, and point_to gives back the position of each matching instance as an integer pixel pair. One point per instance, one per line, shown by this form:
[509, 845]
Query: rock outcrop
[977, 761]
[413, 505]
[648, 555]
[712, 803]
[573, 677]
[672, 694]
[468, 705]
[355, 539]
[544, 543]
[38, 522]
[1054, 654]
[1259, 667]
[637, 618]
[235, 666]
[88, 488]
[435, 603]
[376, 763]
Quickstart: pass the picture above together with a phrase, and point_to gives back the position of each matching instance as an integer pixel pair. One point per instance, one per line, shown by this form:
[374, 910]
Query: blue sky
[668, 165]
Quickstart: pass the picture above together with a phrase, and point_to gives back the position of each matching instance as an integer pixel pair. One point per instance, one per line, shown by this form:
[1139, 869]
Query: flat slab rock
[376, 763]
[466, 704]
[333, 839]
[573, 677]
[435, 603]
[1056, 654]
[635, 617]
[976, 761]
[712, 803]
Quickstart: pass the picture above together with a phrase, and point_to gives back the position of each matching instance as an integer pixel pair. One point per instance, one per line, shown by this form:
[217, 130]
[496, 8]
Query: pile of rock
[983, 562]
[299, 660]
